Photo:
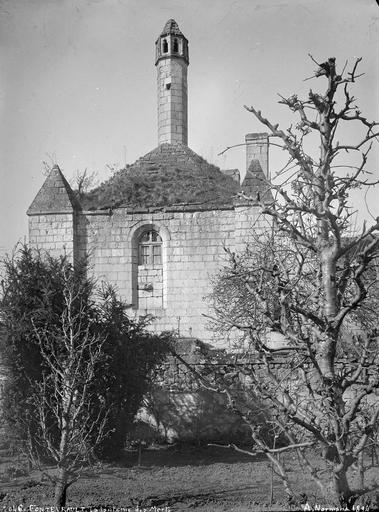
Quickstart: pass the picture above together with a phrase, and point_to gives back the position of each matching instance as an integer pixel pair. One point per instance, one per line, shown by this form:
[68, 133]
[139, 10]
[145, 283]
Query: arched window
[149, 243]
[165, 46]
[150, 249]
[176, 46]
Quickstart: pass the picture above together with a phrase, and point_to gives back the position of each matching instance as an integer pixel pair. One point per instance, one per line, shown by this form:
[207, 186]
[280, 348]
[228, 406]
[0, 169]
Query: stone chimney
[257, 149]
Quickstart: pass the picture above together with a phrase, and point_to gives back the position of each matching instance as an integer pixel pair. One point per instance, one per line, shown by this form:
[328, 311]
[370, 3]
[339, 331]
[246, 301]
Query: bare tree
[307, 289]
[77, 365]
[83, 182]
[48, 164]
[70, 420]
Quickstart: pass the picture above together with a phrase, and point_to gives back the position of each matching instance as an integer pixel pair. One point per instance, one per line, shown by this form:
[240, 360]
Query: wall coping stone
[36, 214]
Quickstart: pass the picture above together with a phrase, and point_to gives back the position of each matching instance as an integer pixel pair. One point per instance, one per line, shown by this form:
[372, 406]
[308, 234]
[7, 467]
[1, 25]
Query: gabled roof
[170, 175]
[255, 184]
[55, 195]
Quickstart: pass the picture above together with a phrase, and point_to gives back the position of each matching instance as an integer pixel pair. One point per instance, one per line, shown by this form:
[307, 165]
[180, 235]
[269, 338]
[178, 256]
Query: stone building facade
[157, 229]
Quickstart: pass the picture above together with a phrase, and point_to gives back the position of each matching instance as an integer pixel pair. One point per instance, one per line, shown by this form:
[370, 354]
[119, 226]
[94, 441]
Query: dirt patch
[187, 478]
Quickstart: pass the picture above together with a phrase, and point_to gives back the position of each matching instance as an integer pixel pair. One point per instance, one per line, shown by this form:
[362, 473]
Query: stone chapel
[156, 229]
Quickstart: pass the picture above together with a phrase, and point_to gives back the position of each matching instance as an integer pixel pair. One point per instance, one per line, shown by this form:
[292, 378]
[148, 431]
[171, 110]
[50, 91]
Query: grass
[200, 478]
[175, 176]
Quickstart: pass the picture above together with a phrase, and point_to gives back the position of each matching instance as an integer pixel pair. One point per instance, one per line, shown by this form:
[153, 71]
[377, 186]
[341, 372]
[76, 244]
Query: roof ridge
[166, 148]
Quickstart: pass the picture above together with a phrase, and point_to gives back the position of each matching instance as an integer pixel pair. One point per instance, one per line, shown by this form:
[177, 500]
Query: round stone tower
[172, 62]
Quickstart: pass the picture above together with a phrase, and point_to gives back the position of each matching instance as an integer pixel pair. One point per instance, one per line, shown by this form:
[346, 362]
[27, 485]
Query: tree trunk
[326, 345]
[329, 283]
[341, 489]
[62, 478]
[325, 356]
[361, 471]
[61, 488]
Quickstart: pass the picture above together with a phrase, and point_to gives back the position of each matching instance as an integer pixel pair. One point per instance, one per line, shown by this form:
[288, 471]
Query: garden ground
[179, 478]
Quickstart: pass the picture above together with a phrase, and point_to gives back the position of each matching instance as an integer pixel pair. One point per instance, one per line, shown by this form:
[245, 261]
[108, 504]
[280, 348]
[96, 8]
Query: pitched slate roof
[170, 175]
[55, 195]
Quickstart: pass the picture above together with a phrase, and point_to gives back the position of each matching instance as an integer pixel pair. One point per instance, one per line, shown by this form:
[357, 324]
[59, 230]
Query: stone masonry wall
[53, 233]
[172, 101]
[192, 253]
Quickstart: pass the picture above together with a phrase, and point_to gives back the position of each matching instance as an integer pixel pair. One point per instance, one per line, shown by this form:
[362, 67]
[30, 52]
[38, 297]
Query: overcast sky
[78, 81]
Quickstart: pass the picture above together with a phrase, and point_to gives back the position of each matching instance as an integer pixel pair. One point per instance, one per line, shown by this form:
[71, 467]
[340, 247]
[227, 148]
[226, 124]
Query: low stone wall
[197, 416]
[179, 408]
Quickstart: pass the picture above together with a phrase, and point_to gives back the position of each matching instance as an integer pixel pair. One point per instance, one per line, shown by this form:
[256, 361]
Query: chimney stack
[257, 149]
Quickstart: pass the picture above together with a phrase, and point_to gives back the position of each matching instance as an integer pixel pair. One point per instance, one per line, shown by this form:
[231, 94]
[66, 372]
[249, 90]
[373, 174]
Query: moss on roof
[170, 175]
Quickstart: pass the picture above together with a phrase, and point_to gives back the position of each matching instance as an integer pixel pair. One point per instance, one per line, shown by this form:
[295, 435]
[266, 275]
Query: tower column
[172, 62]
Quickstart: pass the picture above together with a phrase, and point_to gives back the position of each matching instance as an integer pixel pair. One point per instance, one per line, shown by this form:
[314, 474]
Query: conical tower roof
[55, 195]
[171, 28]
